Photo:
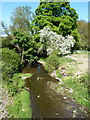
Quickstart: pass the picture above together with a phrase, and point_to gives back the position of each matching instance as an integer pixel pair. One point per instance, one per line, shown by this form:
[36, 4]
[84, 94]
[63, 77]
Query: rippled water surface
[45, 102]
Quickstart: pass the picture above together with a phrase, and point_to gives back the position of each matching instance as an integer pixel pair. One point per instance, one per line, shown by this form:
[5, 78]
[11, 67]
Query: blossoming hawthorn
[52, 41]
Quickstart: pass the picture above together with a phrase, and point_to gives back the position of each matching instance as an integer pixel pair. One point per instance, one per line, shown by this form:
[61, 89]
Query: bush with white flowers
[52, 41]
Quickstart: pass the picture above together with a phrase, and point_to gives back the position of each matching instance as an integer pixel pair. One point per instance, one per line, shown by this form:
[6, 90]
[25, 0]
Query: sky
[8, 7]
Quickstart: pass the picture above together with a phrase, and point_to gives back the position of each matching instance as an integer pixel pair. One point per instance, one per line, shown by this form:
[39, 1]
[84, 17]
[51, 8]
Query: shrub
[11, 61]
[15, 84]
[51, 41]
[52, 62]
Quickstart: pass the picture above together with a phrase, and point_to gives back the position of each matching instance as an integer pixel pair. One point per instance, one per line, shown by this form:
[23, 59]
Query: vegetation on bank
[10, 63]
[72, 83]
[14, 83]
[52, 62]
[50, 33]
[20, 108]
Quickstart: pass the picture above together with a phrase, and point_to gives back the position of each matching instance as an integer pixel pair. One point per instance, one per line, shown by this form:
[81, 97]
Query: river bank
[15, 98]
[48, 93]
[45, 100]
[69, 75]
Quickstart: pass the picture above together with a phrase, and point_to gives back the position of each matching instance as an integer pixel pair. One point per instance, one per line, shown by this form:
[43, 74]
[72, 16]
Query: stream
[45, 102]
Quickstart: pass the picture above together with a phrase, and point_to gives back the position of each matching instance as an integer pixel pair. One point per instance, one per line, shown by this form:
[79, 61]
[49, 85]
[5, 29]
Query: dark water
[45, 102]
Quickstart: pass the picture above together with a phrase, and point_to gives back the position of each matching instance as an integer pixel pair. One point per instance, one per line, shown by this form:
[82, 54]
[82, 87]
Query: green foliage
[84, 79]
[21, 18]
[83, 31]
[57, 15]
[66, 24]
[20, 107]
[6, 42]
[11, 61]
[21, 31]
[52, 62]
[25, 75]
[75, 87]
[25, 45]
[68, 65]
[15, 84]
[59, 75]
[76, 36]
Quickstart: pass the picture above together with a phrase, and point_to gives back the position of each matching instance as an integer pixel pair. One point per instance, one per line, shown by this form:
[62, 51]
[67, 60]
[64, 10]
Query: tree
[21, 18]
[83, 31]
[21, 33]
[57, 15]
[5, 29]
[51, 41]
[25, 46]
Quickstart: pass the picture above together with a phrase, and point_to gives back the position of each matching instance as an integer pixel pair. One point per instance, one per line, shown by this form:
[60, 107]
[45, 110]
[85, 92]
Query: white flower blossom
[52, 41]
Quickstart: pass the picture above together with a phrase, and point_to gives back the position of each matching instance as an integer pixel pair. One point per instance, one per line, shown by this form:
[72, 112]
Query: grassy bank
[73, 77]
[19, 107]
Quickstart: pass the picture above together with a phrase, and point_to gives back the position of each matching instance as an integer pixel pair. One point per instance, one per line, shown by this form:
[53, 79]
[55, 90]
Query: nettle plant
[51, 41]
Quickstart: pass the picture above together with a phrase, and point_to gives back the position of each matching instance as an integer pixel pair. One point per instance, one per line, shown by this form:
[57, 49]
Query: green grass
[80, 89]
[25, 75]
[21, 106]
[64, 60]
[78, 86]
[73, 86]
[82, 53]
[69, 65]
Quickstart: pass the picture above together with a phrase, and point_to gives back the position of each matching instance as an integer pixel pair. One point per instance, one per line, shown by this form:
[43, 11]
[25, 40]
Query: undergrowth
[21, 106]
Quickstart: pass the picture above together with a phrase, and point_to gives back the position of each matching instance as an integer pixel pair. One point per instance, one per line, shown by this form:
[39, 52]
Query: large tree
[57, 15]
[21, 34]
[21, 18]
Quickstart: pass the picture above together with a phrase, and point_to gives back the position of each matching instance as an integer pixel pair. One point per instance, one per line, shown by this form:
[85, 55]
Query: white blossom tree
[51, 41]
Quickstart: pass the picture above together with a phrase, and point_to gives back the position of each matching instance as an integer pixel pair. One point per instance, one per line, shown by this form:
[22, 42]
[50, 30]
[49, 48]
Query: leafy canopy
[22, 38]
[59, 16]
[21, 18]
[52, 13]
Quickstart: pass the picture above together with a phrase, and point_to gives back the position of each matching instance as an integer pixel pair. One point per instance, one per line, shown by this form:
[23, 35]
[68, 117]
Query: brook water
[46, 103]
